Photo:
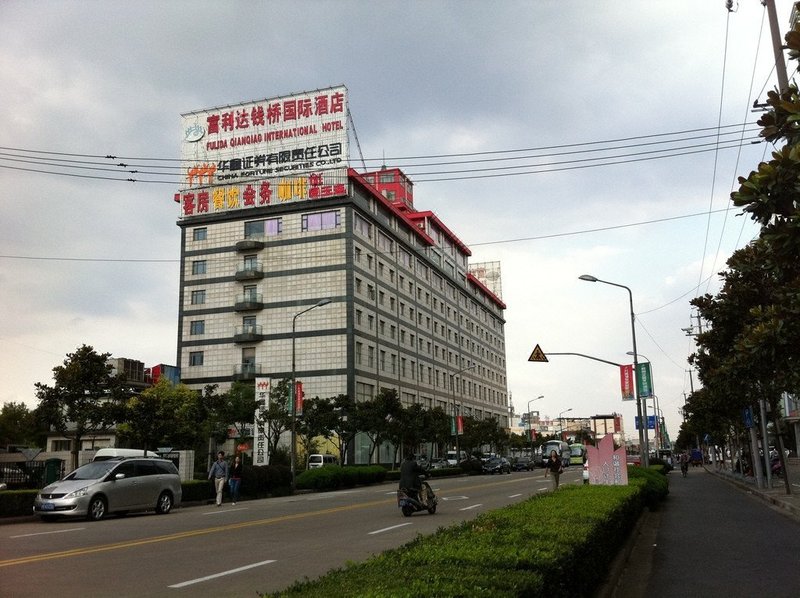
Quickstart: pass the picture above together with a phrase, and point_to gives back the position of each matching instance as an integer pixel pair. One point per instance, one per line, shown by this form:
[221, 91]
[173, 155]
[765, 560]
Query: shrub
[17, 503]
[332, 477]
[554, 543]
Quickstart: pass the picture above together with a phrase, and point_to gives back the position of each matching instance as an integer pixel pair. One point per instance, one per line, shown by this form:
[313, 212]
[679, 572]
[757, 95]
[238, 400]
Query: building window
[196, 358]
[199, 234]
[198, 297]
[249, 325]
[387, 177]
[60, 445]
[197, 327]
[250, 292]
[260, 228]
[320, 220]
[254, 229]
[363, 227]
[199, 267]
[359, 347]
[364, 392]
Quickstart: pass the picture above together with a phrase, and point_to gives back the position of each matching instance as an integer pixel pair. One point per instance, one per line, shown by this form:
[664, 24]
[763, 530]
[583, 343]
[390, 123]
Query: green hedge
[557, 544]
[16, 503]
[332, 477]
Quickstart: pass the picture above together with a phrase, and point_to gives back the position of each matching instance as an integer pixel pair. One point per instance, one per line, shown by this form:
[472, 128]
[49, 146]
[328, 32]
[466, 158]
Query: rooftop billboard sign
[284, 136]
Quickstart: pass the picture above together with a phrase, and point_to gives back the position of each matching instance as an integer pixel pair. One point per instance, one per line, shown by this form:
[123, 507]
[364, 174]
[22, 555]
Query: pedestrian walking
[554, 466]
[236, 479]
[218, 474]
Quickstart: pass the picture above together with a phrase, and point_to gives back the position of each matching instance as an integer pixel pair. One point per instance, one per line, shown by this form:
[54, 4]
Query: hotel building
[268, 232]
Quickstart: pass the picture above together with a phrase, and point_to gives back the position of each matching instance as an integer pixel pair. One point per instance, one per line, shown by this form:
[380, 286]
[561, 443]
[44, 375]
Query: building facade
[405, 312]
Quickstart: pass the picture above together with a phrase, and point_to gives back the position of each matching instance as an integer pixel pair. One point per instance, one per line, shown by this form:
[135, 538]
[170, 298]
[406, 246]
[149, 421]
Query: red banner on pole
[459, 425]
[298, 398]
[626, 382]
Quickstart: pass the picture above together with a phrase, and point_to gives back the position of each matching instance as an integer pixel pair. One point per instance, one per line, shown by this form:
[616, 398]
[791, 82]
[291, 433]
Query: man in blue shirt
[218, 474]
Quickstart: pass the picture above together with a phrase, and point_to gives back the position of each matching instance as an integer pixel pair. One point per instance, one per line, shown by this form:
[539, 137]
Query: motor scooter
[409, 500]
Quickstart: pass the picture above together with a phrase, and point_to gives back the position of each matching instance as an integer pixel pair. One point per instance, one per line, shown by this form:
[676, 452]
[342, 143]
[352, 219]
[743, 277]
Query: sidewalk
[790, 503]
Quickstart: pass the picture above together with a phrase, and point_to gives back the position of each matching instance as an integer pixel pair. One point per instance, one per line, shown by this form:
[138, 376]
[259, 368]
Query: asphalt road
[255, 546]
[712, 539]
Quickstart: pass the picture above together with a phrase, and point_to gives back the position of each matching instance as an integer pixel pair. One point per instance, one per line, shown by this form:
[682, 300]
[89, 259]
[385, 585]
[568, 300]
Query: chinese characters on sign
[298, 133]
[626, 382]
[262, 193]
[260, 451]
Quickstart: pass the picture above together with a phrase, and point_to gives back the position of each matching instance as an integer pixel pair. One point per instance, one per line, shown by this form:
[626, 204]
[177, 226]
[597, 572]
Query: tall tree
[345, 424]
[318, 420]
[78, 403]
[375, 417]
[18, 425]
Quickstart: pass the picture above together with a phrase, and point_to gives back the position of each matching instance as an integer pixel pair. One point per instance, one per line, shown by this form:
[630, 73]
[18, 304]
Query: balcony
[250, 333]
[246, 371]
[250, 244]
[249, 302]
[250, 271]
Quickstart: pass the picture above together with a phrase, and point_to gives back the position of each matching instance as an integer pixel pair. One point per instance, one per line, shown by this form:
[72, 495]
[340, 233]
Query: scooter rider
[410, 472]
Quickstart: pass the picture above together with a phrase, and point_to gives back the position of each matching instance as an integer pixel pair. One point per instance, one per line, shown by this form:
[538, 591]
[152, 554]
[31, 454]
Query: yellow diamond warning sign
[537, 355]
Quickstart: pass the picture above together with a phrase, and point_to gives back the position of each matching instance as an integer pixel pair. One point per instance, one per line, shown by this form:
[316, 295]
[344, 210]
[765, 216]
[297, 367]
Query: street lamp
[530, 425]
[644, 449]
[656, 408]
[455, 416]
[561, 423]
[293, 390]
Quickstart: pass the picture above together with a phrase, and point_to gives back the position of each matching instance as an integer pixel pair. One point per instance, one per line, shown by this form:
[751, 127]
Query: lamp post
[561, 423]
[530, 425]
[293, 389]
[656, 410]
[644, 449]
[455, 415]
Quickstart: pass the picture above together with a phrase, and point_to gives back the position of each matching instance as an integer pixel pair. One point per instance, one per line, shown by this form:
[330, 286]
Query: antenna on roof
[383, 159]
[355, 136]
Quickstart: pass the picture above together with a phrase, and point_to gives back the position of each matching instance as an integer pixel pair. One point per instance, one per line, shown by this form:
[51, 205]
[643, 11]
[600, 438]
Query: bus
[577, 454]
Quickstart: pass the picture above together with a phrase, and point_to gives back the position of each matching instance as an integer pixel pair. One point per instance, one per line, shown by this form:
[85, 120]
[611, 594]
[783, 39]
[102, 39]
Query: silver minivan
[116, 485]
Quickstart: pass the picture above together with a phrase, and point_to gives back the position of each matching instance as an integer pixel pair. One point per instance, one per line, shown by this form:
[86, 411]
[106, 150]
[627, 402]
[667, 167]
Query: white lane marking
[515, 495]
[388, 529]
[58, 531]
[328, 495]
[183, 584]
[471, 507]
[455, 497]
[222, 510]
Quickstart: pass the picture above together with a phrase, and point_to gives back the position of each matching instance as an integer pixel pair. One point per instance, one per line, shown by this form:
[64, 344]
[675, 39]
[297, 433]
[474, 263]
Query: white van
[453, 460]
[104, 454]
[317, 460]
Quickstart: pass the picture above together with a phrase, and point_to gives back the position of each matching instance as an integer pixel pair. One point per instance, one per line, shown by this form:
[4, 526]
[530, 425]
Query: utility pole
[777, 46]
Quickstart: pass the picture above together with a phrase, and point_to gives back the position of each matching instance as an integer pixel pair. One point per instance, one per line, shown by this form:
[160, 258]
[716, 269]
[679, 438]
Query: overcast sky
[593, 91]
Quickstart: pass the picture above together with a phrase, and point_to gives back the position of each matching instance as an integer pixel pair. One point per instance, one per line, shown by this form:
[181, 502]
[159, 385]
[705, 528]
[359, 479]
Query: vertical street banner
[298, 398]
[644, 380]
[260, 450]
[459, 425]
[626, 382]
[452, 425]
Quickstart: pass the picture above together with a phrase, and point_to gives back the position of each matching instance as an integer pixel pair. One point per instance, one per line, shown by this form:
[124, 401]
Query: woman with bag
[236, 479]
[553, 465]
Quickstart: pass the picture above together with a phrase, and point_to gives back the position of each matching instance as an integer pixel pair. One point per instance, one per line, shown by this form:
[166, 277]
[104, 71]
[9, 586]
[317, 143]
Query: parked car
[439, 464]
[522, 464]
[116, 485]
[497, 465]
